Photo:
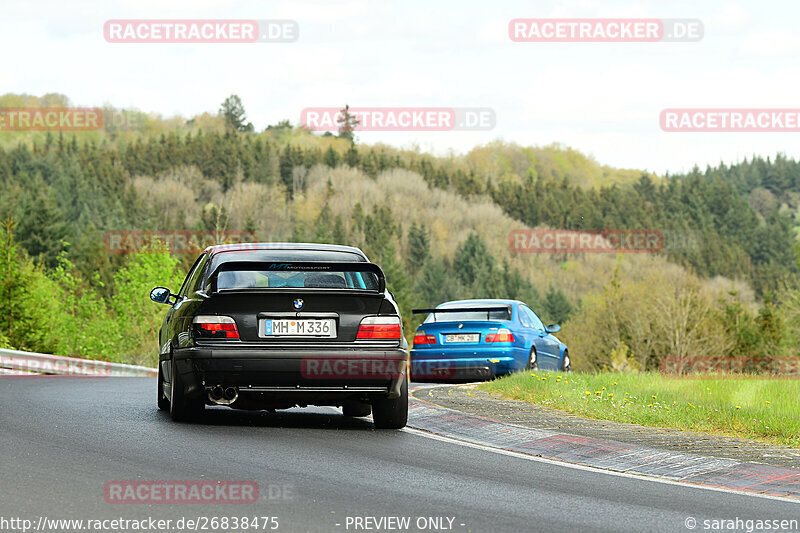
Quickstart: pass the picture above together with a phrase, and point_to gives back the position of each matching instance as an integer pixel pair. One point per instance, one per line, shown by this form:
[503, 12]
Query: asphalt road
[62, 439]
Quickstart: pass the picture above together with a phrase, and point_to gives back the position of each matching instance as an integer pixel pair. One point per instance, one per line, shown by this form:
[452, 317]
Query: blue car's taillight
[420, 338]
[502, 335]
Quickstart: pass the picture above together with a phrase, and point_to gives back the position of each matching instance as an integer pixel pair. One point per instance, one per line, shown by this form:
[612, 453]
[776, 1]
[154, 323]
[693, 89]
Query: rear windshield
[254, 279]
[467, 316]
[249, 279]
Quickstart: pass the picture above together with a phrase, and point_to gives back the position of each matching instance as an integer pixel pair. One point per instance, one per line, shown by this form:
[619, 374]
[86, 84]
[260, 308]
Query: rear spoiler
[308, 266]
[486, 310]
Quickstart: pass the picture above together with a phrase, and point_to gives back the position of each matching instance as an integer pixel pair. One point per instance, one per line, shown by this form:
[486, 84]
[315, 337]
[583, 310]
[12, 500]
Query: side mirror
[553, 328]
[160, 295]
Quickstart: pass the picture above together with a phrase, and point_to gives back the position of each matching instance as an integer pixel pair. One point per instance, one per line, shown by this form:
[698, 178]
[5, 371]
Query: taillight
[379, 327]
[215, 327]
[421, 338]
[502, 335]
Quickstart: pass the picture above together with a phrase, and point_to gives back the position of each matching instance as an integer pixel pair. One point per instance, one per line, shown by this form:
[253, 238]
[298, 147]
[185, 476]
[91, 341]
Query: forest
[725, 284]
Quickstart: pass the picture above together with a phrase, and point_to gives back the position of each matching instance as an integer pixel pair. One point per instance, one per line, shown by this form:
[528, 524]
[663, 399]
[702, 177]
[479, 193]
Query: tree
[339, 231]
[331, 157]
[27, 303]
[436, 284]
[379, 231]
[347, 124]
[323, 226]
[233, 111]
[557, 306]
[214, 218]
[419, 248]
[472, 257]
[398, 283]
[351, 156]
[132, 284]
[283, 125]
[43, 230]
[518, 287]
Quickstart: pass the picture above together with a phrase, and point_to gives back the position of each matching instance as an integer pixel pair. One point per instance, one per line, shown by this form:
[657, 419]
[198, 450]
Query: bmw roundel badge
[298, 303]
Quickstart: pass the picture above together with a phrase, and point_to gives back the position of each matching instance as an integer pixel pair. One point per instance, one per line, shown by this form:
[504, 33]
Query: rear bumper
[432, 363]
[315, 377]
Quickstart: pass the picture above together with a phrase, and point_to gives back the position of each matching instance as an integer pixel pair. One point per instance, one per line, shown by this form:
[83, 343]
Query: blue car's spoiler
[483, 309]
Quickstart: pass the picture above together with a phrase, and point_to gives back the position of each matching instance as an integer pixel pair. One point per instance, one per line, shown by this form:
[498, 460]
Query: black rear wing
[483, 309]
[301, 266]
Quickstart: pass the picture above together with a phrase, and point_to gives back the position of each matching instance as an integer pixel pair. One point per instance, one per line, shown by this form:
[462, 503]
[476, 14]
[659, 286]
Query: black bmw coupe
[274, 326]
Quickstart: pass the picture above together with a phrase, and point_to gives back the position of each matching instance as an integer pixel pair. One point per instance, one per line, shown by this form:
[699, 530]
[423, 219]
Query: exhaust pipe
[220, 395]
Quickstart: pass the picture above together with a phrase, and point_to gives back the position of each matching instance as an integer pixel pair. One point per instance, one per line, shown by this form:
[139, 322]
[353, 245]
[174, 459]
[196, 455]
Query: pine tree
[351, 156]
[235, 117]
[43, 229]
[322, 226]
[347, 124]
[331, 157]
[379, 231]
[339, 231]
[418, 247]
[398, 283]
[557, 306]
[435, 284]
[472, 257]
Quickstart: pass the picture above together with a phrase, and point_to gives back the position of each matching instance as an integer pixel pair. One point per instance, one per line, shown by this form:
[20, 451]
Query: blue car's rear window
[467, 316]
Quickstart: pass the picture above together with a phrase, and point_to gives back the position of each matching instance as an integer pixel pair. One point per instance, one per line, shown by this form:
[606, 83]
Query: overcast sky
[603, 99]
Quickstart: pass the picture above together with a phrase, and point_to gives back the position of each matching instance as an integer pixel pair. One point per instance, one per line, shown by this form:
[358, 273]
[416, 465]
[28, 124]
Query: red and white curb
[609, 455]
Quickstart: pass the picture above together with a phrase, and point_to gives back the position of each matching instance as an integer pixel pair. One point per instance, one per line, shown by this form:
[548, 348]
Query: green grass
[757, 407]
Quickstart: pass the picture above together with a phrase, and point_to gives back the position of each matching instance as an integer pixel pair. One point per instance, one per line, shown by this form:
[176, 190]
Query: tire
[533, 361]
[182, 409]
[391, 414]
[566, 363]
[163, 403]
[356, 409]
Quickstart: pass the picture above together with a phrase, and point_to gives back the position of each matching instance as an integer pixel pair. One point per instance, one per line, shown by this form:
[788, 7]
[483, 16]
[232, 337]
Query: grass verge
[757, 407]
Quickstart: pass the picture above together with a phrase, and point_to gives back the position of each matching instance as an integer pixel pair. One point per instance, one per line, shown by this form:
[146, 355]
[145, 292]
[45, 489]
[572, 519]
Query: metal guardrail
[15, 362]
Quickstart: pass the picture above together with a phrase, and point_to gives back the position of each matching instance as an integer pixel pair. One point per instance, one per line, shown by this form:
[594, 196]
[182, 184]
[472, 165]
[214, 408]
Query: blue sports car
[468, 339]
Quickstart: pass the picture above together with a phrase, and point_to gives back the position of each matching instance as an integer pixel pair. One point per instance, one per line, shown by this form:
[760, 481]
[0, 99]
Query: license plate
[462, 337]
[325, 327]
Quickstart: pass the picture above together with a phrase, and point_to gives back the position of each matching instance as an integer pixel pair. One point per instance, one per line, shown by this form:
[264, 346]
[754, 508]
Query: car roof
[213, 250]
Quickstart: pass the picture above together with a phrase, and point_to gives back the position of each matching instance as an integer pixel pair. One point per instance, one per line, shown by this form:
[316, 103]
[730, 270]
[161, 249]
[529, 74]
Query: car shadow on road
[295, 418]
